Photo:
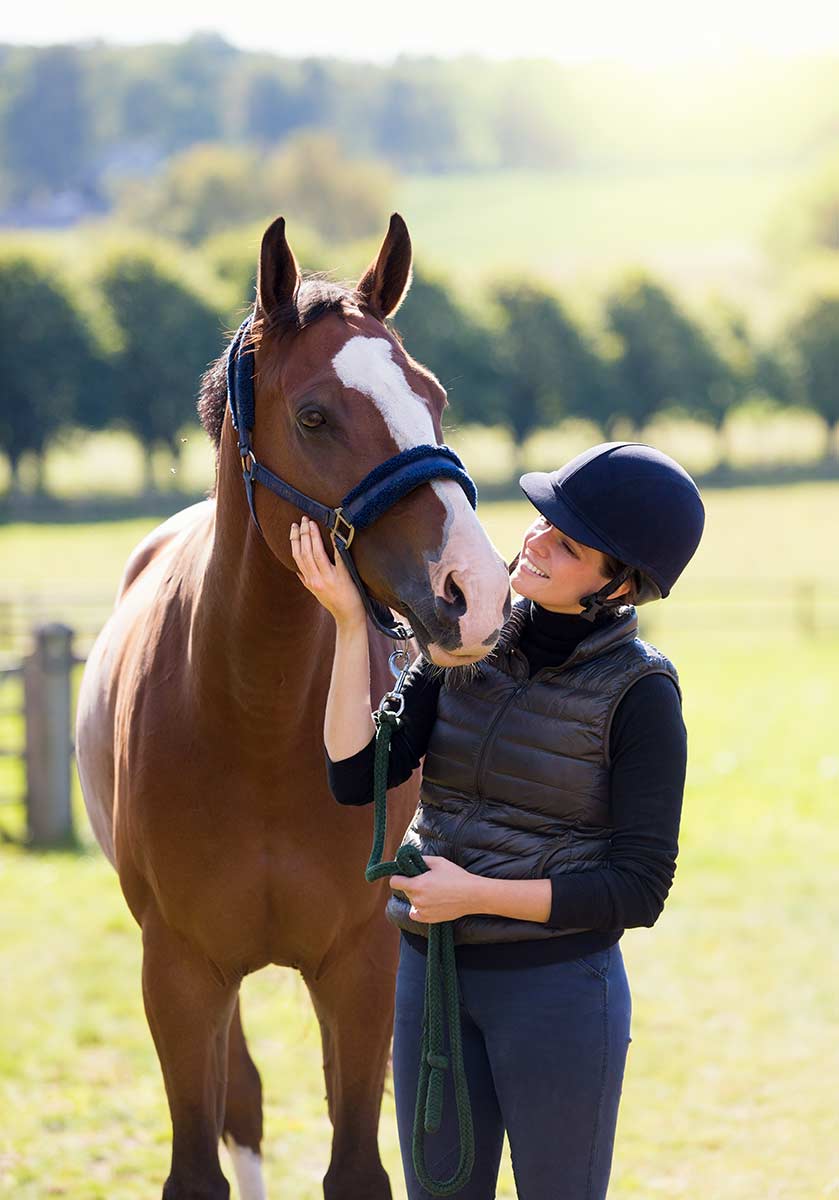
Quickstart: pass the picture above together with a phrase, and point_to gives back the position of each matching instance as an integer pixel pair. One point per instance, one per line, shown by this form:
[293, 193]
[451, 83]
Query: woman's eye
[568, 548]
[312, 420]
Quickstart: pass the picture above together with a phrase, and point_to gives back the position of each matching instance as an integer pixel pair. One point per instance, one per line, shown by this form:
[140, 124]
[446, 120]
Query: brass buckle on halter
[347, 533]
[246, 469]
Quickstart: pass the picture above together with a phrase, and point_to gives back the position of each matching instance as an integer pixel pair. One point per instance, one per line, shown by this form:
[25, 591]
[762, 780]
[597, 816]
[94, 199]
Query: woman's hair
[641, 587]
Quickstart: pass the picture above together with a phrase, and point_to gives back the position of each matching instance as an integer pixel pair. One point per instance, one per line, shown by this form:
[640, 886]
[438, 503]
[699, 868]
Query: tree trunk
[14, 474]
[40, 476]
[518, 456]
[175, 472]
[149, 485]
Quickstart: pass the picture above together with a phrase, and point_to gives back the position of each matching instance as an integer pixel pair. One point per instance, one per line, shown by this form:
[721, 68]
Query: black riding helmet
[630, 501]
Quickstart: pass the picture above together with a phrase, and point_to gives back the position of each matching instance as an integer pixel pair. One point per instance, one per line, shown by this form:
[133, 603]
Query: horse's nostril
[451, 604]
[452, 592]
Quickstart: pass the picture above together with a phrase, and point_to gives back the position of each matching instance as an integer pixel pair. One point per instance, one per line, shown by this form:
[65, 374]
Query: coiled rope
[441, 986]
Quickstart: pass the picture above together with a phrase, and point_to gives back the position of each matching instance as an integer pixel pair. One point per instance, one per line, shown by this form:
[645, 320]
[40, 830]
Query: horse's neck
[261, 643]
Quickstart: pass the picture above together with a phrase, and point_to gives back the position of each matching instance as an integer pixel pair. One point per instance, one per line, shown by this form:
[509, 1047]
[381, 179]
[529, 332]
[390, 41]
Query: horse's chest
[255, 872]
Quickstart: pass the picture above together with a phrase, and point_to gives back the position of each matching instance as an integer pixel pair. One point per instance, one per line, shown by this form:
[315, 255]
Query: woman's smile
[529, 565]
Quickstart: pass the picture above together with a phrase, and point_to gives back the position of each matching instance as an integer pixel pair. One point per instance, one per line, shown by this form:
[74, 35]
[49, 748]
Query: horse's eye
[312, 419]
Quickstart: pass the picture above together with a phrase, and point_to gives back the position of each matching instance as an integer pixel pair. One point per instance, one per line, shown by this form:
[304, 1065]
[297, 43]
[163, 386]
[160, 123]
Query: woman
[549, 815]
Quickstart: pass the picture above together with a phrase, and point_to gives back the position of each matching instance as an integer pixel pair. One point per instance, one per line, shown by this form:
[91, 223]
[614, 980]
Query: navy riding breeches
[545, 1049]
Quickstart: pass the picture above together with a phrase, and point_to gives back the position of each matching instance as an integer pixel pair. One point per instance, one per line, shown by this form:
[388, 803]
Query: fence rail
[804, 606]
[38, 652]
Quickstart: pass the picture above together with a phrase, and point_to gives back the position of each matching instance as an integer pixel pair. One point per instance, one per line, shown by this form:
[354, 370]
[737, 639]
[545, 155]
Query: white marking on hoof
[248, 1167]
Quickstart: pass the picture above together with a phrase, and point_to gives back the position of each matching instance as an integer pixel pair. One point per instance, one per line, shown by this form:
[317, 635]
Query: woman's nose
[539, 540]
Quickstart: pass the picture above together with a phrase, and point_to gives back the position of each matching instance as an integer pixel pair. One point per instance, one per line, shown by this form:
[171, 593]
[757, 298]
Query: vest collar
[621, 626]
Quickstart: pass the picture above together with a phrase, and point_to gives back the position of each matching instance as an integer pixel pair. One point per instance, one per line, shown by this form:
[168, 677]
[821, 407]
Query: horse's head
[335, 395]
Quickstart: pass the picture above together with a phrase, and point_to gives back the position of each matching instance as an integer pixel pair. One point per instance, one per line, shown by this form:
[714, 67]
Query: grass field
[702, 229]
[731, 1078]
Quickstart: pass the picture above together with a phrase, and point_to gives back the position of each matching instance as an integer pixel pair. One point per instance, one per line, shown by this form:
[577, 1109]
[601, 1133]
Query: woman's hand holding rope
[445, 892]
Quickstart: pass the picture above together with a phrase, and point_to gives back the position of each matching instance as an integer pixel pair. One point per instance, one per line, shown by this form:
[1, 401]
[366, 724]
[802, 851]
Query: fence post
[46, 697]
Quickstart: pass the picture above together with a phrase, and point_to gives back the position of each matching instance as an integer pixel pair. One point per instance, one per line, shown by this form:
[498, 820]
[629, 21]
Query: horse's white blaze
[367, 365]
[248, 1167]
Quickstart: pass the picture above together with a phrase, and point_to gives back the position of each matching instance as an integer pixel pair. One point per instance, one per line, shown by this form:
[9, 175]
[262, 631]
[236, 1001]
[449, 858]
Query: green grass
[731, 1077]
[701, 228]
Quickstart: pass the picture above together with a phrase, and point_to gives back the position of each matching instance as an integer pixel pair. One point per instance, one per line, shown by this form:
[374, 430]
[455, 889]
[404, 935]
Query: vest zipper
[479, 770]
[479, 798]
[476, 803]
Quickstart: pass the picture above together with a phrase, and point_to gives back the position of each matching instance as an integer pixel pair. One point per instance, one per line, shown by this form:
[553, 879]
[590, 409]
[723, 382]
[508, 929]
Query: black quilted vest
[516, 778]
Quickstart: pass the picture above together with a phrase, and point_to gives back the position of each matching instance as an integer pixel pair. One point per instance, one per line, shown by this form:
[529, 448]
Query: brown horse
[199, 734]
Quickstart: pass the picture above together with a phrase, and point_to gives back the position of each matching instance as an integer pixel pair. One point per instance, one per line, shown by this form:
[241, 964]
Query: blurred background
[626, 226]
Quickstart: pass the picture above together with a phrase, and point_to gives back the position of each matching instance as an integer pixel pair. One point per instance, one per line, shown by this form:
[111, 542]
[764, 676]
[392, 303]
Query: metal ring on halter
[346, 537]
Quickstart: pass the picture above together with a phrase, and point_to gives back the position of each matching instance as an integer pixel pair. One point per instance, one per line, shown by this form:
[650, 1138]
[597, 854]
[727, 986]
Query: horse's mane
[315, 297]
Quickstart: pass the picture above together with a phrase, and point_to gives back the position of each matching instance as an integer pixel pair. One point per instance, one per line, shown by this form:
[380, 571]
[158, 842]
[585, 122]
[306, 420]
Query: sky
[644, 33]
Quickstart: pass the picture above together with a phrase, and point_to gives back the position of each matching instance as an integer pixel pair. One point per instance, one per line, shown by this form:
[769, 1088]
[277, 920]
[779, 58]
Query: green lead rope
[441, 991]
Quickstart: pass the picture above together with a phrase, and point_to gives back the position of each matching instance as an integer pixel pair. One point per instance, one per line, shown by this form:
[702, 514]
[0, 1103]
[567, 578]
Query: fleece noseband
[378, 491]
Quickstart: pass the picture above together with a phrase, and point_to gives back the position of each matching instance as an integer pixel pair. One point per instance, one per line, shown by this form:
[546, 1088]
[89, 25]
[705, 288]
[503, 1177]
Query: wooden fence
[41, 652]
[42, 711]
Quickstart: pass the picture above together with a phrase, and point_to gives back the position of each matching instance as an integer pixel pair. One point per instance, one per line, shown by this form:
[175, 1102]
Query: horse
[199, 728]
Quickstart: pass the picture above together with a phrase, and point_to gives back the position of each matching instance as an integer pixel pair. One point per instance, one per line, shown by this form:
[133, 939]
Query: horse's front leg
[189, 1009]
[354, 1004]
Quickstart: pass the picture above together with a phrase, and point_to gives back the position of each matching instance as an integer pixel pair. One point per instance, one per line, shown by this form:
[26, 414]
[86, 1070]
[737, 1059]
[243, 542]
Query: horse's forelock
[316, 296]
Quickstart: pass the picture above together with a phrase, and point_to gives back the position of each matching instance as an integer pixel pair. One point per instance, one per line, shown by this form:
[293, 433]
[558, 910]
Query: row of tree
[129, 350]
[72, 117]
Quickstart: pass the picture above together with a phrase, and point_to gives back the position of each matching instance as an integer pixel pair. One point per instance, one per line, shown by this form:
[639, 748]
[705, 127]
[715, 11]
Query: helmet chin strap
[596, 602]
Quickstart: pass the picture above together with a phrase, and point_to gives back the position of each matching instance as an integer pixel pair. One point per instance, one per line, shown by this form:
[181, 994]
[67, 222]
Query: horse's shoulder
[188, 520]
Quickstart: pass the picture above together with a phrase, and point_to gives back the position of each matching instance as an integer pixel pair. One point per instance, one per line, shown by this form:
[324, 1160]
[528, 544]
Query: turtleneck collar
[564, 626]
[549, 638]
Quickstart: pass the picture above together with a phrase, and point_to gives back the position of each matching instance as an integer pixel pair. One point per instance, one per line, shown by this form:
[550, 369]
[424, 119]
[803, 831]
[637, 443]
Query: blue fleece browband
[394, 478]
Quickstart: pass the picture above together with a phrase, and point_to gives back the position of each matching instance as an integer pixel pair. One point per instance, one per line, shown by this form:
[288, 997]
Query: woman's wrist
[352, 626]
[520, 899]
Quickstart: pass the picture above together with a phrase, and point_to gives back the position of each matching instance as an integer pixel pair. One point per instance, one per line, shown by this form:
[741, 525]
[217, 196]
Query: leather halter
[378, 491]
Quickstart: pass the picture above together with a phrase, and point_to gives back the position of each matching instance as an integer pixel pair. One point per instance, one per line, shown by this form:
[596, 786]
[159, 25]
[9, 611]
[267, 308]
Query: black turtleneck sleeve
[649, 757]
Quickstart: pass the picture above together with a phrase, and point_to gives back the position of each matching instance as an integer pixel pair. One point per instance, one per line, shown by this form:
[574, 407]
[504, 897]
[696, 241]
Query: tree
[210, 188]
[814, 342]
[46, 131]
[662, 359]
[549, 367]
[439, 333]
[340, 198]
[206, 189]
[50, 362]
[168, 333]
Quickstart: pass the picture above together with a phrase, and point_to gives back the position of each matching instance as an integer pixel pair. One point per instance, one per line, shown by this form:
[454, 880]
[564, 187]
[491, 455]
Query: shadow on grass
[45, 508]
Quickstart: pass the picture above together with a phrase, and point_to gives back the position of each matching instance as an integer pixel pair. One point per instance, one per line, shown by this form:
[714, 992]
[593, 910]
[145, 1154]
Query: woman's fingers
[330, 582]
[319, 555]
[307, 553]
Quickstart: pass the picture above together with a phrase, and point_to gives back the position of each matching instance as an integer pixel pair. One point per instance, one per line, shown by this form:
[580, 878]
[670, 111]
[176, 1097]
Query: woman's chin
[527, 585]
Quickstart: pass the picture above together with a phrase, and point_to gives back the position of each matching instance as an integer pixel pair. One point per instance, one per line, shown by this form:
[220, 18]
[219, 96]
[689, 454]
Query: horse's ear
[278, 276]
[384, 284]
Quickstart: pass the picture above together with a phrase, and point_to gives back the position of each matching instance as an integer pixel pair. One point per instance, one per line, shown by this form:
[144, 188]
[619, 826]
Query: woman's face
[556, 571]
